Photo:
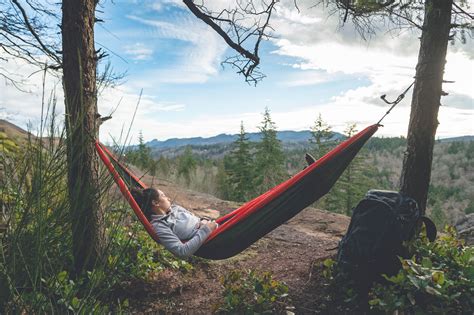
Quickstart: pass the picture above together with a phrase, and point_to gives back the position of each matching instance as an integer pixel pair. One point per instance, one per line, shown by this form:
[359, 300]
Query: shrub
[36, 261]
[438, 279]
[252, 292]
[134, 253]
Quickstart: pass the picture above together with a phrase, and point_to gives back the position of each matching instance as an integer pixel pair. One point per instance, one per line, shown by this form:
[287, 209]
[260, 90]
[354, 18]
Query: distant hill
[13, 132]
[458, 139]
[21, 136]
[287, 136]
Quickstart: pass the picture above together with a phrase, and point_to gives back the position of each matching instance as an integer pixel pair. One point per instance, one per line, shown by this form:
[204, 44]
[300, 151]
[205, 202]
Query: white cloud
[138, 51]
[160, 5]
[311, 43]
[308, 77]
[121, 102]
[199, 60]
[460, 69]
[24, 107]
[337, 114]
[387, 60]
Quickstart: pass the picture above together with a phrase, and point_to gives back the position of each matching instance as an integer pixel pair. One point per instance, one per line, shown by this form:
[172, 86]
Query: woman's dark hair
[144, 198]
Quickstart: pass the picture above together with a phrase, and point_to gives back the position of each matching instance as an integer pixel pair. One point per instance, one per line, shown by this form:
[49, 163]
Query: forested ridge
[202, 168]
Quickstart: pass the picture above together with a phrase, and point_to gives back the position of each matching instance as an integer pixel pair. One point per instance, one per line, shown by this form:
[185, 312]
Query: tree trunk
[79, 83]
[416, 171]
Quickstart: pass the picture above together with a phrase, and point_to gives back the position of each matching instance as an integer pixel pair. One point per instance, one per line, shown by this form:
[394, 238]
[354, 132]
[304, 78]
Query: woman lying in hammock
[172, 223]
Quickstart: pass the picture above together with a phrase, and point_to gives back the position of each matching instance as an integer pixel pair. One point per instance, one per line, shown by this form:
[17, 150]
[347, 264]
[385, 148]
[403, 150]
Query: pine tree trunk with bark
[416, 171]
[79, 83]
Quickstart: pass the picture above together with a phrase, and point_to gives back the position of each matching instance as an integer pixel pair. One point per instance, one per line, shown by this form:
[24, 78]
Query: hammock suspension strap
[395, 102]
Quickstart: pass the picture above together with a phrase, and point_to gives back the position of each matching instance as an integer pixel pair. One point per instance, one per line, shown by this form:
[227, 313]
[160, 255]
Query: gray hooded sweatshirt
[180, 225]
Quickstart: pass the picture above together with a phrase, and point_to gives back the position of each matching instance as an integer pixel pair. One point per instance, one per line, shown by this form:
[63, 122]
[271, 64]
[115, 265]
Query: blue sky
[312, 66]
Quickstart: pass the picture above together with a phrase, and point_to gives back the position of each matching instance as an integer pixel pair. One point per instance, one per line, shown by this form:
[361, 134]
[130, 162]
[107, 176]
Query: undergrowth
[36, 261]
[437, 279]
[252, 292]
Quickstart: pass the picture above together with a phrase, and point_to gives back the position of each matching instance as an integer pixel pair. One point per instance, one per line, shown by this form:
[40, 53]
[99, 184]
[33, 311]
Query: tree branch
[30, 28]
[470, 15]
[238, 33]
[207, 19]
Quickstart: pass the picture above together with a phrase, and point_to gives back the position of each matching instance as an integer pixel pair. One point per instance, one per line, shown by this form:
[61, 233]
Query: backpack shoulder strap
[430, 228]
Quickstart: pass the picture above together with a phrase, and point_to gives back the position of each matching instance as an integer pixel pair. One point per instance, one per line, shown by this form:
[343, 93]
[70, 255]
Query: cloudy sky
[312, 66]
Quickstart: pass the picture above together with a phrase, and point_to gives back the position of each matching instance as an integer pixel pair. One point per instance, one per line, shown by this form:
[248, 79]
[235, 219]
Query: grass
[36, 260]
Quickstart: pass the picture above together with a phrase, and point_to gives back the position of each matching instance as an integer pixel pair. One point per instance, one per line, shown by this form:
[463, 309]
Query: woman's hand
[212, 225]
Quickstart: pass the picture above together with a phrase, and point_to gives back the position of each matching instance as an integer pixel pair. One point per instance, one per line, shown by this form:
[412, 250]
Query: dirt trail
[289, 252]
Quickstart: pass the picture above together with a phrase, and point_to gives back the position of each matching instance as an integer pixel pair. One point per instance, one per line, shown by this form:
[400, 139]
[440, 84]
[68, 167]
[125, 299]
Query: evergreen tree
[321, 133]
[270, 169]
[164, 166]
[223, 179]
[141, 156]
[239, 168]
[187, 165]
[144, 153]
[354, 182]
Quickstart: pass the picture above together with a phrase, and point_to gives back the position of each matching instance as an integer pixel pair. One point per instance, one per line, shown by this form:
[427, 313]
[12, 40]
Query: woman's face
[163, 202]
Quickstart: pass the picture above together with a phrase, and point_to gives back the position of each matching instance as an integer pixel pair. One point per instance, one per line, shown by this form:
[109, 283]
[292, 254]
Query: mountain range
[287, 136]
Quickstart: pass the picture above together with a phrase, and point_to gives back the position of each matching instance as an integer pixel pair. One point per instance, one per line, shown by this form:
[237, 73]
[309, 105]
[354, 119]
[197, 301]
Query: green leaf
[125, 303]
[426, 262]
[75, 302]
[328, 262]
[374, 302]
[62, 276]
[438, 277]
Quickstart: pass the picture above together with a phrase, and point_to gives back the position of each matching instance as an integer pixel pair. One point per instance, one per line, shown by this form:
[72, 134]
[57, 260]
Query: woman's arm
[172, 243]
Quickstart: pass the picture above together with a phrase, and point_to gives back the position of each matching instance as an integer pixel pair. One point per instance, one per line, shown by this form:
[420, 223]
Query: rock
[465, 228]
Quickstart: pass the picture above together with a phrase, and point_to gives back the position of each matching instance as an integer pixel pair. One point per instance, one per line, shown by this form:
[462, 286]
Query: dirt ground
[292, 253]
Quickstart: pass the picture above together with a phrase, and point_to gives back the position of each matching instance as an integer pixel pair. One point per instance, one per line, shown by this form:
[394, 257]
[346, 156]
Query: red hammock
[245, 225]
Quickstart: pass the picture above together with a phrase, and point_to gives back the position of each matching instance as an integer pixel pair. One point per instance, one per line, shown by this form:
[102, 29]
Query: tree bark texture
[79, 83]
[416, 171]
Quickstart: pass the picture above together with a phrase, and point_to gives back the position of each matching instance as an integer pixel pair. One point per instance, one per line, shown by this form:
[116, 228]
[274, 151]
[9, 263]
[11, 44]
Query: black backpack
[380, 223]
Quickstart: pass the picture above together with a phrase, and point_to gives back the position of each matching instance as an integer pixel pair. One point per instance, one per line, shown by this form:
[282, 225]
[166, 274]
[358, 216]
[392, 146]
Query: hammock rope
[394, 103]
[247, 224]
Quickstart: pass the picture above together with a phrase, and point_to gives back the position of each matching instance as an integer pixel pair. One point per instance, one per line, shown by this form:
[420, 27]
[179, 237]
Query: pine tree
[354, 182]
[144, 153]
[222, 179]
[164, 166]
[239, 168]
[321, 133]
[270, 169]
[187, 165]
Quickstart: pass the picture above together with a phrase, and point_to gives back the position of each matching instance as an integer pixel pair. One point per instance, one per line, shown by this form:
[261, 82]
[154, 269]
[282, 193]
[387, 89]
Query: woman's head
[151, 201]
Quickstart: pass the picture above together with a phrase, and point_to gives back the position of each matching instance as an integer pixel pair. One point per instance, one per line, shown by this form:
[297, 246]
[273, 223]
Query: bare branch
[45, 49]
[234, 27]
[462, 11]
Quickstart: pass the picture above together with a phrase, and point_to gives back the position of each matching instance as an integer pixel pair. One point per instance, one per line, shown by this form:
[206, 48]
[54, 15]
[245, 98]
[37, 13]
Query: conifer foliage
[354, 182]
[239, 167]
[187, 165]
[141, 156]
[269, 157]
[321, 134]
